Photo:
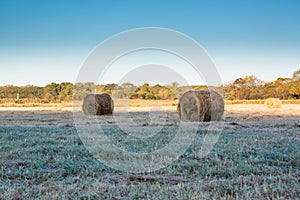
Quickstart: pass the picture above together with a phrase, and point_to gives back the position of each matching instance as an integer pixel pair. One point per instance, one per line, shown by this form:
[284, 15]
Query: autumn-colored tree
[277, 89]
[295, 85]
[248, 87]
[296, 75]
[162, 92]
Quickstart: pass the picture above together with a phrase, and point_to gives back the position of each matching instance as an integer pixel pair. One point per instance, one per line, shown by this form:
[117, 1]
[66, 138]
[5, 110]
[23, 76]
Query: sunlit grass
[122, 102]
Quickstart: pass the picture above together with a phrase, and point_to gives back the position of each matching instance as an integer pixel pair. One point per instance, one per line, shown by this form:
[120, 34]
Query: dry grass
[231, 102]
[34, 104]
[261, 101]
[144, 102]
[122, 102]
[291, 101]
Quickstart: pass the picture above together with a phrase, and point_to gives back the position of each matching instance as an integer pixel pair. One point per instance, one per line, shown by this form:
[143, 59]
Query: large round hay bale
[97, 104]
[201, 106]
[273, 103]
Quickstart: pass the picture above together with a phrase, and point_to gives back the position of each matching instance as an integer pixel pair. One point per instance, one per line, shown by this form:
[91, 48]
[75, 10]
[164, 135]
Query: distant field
[291, 101]
[123, 102]
[32, 103]
[117, 102]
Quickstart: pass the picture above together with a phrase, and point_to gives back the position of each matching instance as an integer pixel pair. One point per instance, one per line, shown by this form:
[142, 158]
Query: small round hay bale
[97, 104]
[273, 103]
[201, 106]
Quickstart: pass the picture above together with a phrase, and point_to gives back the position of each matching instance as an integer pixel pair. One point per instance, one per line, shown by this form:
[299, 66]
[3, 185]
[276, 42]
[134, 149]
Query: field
[256, 156]
[121, 102]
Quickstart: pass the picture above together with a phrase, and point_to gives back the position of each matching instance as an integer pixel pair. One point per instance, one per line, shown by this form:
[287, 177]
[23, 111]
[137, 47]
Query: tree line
[66, 91]
[245, 88]
[251, 88]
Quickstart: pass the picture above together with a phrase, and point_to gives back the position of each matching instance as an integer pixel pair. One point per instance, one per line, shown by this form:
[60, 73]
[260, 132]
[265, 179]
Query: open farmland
[256, 156]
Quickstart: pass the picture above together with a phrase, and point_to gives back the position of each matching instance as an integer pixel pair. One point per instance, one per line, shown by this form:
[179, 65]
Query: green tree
[144, 92]
[110, 88]
[82, 89]
[162, 92]
[126, 90]
[66, 91]
[51, 91]
[9, 91]
[175, 90]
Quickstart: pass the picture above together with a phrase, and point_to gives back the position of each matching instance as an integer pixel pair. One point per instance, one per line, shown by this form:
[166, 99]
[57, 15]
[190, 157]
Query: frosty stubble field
[38, 144]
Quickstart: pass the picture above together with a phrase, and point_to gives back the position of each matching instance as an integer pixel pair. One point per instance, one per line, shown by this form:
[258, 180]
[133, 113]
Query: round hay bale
[97, 104]
[201, 106]
[273, 103]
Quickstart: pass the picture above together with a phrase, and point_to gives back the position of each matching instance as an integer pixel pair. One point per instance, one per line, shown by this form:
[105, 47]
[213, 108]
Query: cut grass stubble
[246, 163]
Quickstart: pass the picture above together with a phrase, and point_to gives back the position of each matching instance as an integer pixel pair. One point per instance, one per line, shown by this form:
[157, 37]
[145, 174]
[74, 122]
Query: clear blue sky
[45, 41]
